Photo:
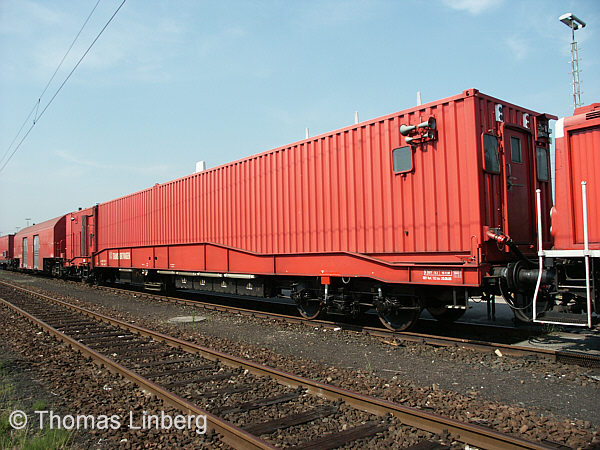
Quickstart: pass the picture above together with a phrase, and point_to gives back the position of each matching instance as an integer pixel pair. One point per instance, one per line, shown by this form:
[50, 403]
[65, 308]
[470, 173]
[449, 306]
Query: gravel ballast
[533, 399]
[70, 384]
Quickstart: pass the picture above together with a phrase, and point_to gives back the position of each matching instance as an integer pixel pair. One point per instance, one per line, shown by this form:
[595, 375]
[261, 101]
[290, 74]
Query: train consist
[424, 208]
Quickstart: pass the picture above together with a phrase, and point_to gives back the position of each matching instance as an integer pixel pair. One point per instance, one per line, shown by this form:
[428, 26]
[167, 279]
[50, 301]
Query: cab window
[515, 150]
[402, 159]
[490, 151]
[542, 164]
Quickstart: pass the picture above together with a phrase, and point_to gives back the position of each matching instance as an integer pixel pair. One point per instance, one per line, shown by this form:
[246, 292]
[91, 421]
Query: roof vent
[592, 115]
[200, 166]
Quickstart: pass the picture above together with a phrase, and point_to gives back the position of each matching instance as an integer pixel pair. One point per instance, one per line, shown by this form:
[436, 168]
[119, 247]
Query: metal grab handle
[586, 246]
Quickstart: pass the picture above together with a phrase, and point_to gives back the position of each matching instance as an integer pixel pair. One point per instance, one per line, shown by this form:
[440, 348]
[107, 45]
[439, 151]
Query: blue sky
[170, 83]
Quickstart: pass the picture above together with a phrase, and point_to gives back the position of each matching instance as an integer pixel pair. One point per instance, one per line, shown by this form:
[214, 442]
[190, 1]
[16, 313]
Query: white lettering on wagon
[441, 275]
[119, 255]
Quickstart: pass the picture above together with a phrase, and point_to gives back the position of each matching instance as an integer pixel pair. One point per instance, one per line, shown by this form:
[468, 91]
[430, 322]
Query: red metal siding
[7, 243]
[51, 242]
[495, 190]
[331, 194]
[74, 225]
[577, 160]
[328, 194]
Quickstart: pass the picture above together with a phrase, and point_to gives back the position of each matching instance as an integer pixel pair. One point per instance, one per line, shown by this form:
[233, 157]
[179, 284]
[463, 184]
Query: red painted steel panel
[189, 257]
[74, 227]
[161, 258]
[142, 257]
[336, 193]
[7, 243]
[217, 259]
[51, 242]
[577, 160]
[495, 187]
[240, 262]
[120, 258]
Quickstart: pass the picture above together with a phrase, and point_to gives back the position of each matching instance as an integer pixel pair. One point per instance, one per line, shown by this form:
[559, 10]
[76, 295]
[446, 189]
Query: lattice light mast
[574, 23]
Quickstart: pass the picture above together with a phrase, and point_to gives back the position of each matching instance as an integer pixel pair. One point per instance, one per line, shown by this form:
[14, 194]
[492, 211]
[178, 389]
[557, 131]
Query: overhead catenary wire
[66, 54]
[38, 117]
[36, 106]
[19, 132]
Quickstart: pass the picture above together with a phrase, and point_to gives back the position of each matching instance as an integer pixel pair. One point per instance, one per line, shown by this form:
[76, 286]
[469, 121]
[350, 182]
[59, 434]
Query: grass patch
[550, 329]
[29, 438]
[39, 405]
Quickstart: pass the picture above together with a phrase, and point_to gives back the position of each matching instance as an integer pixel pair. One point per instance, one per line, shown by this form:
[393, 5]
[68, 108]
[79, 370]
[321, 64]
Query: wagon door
[92, 220]
[24, 262]
[84, 235]
[517, 157]
[36, 252]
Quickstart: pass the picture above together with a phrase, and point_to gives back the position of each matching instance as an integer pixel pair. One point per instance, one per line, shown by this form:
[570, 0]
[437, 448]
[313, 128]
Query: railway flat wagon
[7, 243]
[42, 246]
[405, 211]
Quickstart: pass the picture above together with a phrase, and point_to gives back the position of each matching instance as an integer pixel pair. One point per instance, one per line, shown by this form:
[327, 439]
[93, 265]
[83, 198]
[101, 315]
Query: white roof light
[572, 21]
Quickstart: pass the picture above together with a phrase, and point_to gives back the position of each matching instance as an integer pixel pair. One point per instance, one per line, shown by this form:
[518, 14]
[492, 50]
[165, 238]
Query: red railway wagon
[575, 256]
[409, 210]
[79, 243]
[39, 247]
[7, 243]
[577, 161]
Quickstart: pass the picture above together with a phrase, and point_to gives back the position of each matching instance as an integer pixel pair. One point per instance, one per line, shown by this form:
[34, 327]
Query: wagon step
[153, 286]
[563, 318]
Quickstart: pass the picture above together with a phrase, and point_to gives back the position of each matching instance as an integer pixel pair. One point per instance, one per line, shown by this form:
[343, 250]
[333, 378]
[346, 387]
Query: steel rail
[562, 356]
[232, 435]
[464, 432]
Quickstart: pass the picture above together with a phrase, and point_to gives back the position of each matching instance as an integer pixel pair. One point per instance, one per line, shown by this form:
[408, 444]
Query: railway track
[565, 357]
[236, 394]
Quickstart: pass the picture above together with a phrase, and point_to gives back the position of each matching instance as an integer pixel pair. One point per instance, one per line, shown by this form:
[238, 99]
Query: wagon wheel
[446, 315]
[308, 306]
[399, 314]
[522, 305]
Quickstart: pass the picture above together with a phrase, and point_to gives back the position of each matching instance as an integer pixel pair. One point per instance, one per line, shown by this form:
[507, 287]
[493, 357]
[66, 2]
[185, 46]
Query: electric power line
[38, 117]
[37, 103]
[72, 44]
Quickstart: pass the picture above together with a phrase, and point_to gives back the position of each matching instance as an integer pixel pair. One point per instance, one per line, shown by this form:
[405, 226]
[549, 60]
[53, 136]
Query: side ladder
[559, 318]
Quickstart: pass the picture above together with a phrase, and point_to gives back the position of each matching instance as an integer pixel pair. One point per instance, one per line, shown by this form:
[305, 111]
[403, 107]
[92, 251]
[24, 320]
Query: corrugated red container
[577, 160]
[7, 243]
[356, 201]
[45, 240]
[79, 237]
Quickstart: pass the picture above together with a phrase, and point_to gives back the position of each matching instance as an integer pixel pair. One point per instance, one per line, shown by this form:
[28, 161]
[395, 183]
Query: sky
[170, 83]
